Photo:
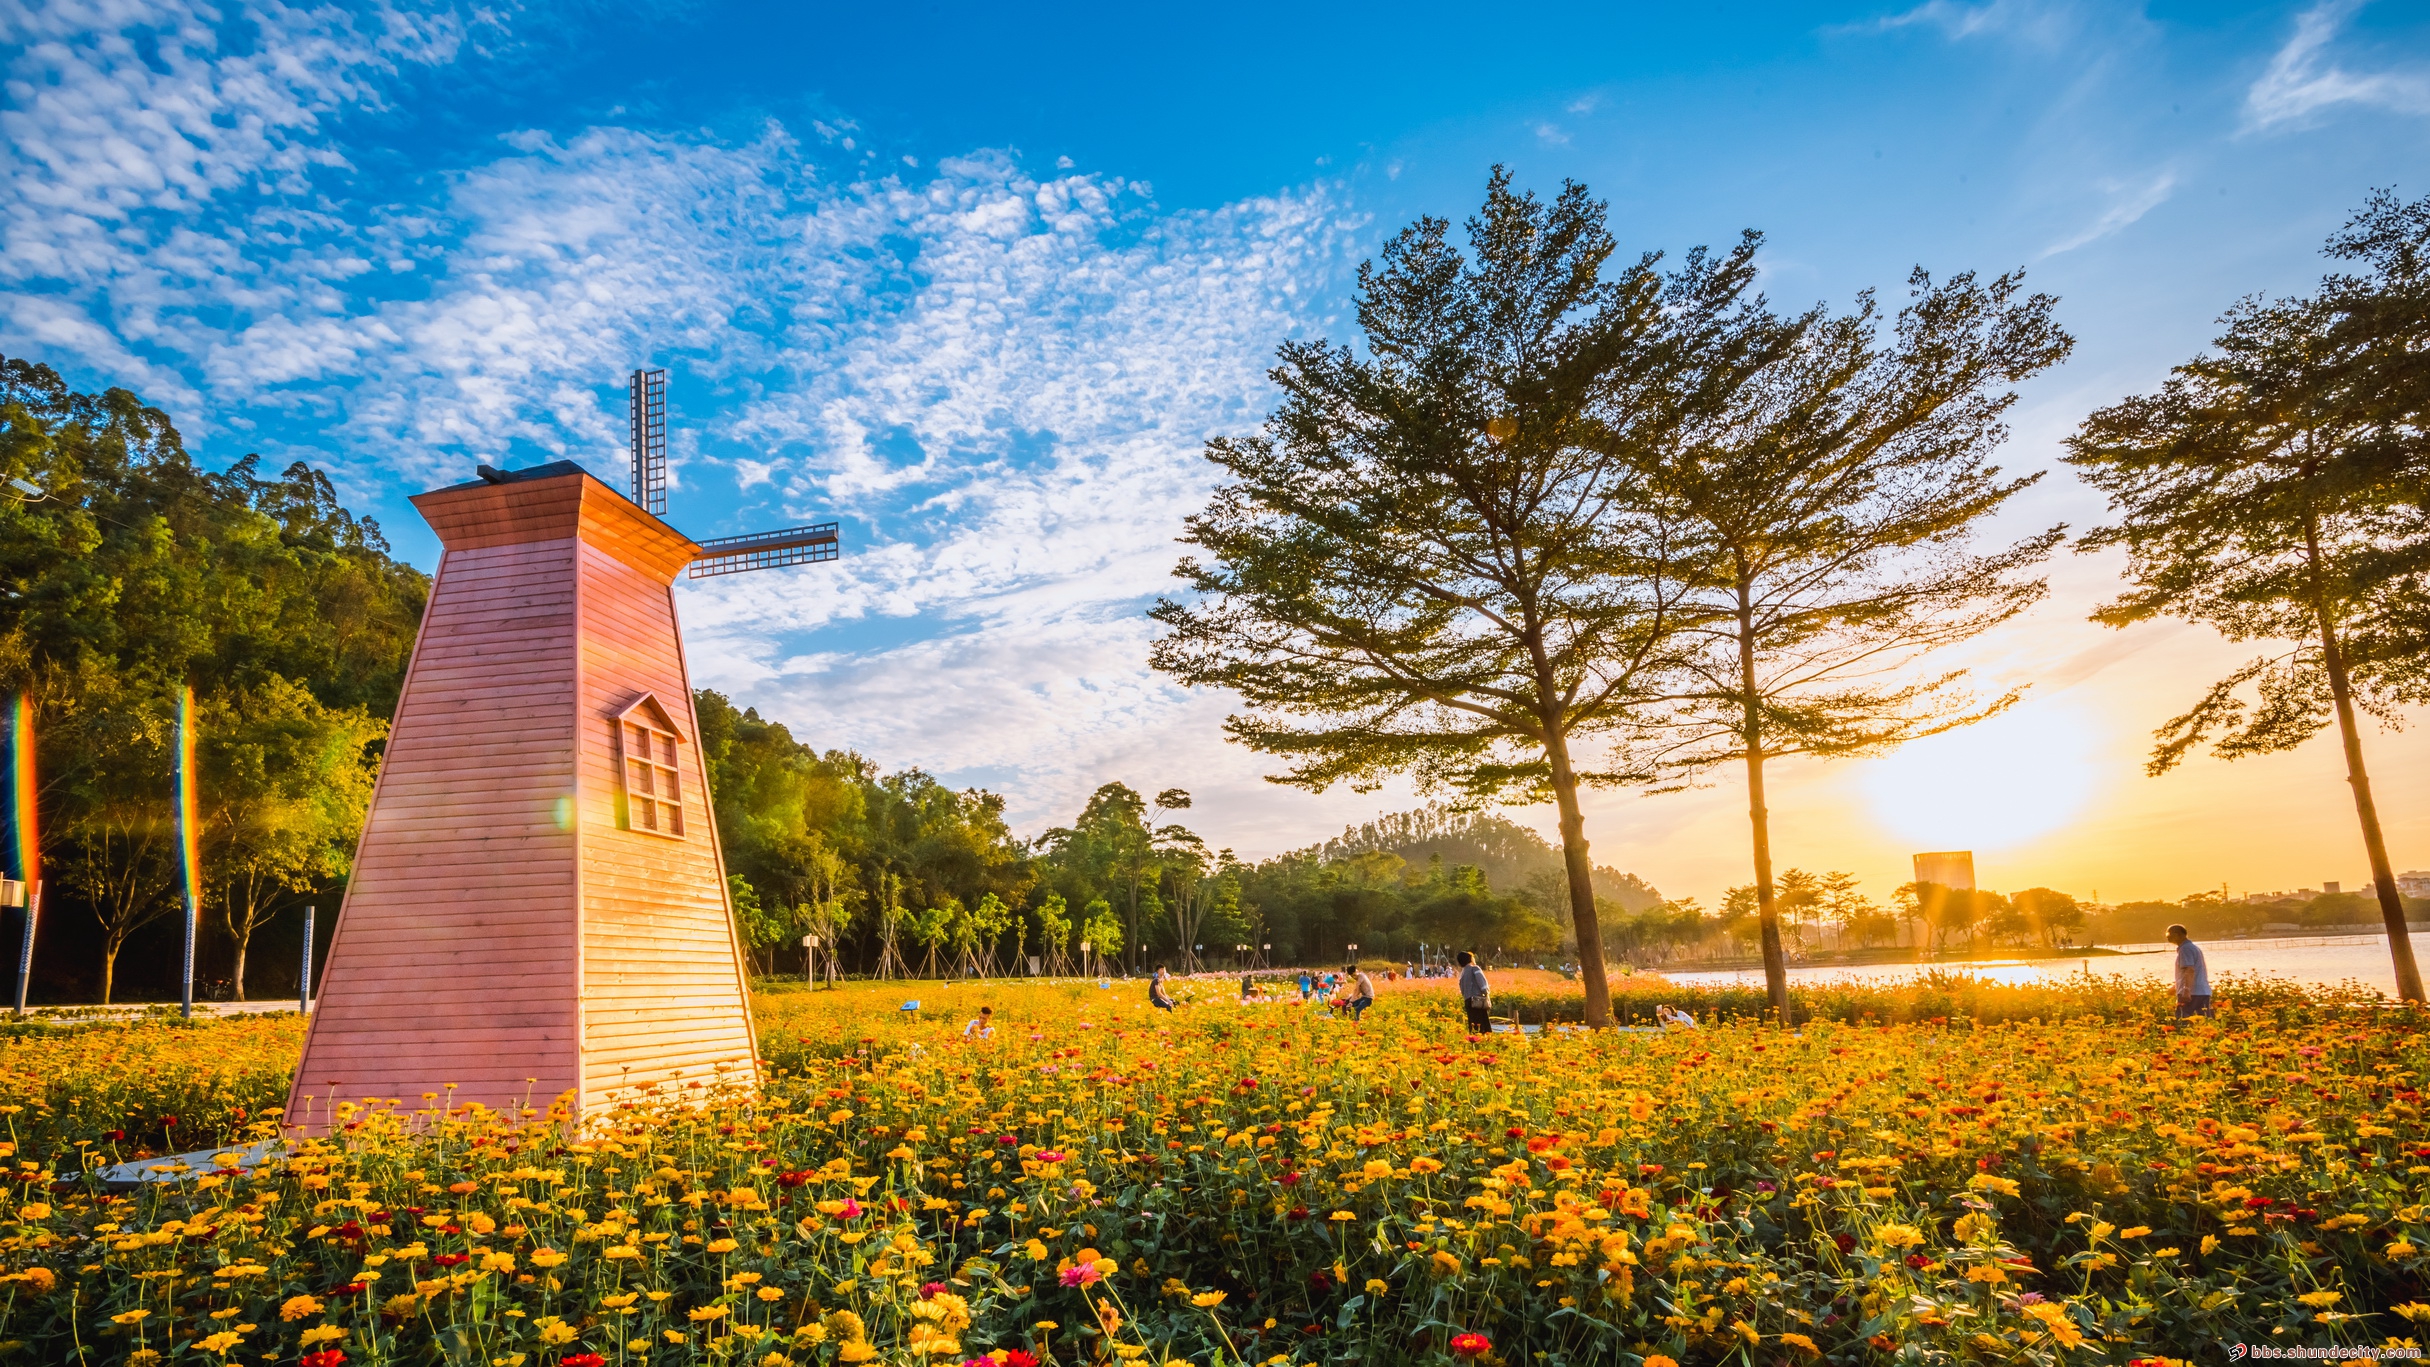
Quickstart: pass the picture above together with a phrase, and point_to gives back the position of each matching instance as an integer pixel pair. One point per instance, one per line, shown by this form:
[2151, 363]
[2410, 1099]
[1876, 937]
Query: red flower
[327, 1357]
[449, 1259]
[352, 1289]
[1290, 1179]
[792, 1179]
[1014, 1357]
[1514, 1132]
[931, 1290]
[1471, 1345]
[582, 1360]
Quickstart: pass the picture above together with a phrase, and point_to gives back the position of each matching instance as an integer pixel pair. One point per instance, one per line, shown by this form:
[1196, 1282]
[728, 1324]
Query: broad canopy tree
[1825, 484]
[1434, 559]
[2278, 489]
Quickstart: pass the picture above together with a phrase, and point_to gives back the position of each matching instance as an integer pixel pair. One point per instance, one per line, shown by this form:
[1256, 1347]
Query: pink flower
[1082, 1274]
[851, 1210]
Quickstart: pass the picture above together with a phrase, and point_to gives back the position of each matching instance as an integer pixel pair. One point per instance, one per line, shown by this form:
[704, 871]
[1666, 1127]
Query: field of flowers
[1263, 1184]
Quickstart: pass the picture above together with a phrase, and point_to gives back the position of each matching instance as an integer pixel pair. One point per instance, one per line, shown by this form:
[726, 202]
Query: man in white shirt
[1360, 992]
[2193, 975]
[982, 1025]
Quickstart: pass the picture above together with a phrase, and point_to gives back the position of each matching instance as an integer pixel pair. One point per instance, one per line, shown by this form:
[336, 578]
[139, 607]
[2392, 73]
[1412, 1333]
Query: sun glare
[1993, 785]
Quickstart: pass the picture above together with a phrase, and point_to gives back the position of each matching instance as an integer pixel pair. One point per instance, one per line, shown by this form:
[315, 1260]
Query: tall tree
[1830, 483]
[2276, 488]
[286, 785]
[1434, 560]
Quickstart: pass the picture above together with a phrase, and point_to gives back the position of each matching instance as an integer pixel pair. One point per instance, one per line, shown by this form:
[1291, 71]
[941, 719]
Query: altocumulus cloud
[999, 380]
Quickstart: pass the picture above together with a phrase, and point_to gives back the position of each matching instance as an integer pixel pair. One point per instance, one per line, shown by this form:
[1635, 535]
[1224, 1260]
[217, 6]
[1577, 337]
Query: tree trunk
[2392, 904]
[2383, 874]
[244, 937]
[1759, 817]
[1581, 884]
[109, 969]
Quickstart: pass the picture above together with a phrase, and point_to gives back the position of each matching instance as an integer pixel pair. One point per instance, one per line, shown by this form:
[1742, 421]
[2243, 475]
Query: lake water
[2320, 961]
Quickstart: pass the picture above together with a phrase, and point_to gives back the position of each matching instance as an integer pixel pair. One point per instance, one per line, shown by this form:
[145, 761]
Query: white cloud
[2128, 203]
[2302, 79]
[2040, 23]
[1002, 381]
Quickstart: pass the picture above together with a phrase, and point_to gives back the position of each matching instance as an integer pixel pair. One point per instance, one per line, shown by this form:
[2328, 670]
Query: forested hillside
[131, 571]
[139, 573]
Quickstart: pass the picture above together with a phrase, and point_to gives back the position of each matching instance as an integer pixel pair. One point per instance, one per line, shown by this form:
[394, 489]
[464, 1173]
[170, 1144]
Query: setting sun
[1991, 786]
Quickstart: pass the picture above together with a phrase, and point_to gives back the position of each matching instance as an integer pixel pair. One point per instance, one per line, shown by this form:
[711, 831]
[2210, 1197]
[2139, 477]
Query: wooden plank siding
[664, 998]
[501, 933]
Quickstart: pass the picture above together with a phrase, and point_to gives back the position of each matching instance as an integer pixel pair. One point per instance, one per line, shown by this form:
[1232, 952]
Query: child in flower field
[982, 1025]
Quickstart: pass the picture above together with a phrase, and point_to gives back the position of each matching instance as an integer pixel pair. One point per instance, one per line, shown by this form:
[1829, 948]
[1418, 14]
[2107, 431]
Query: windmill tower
[538, 906]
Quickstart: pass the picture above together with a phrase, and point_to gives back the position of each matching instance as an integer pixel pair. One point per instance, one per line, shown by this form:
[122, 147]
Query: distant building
[2414, 882]
[2330, 889]
[1949, 868]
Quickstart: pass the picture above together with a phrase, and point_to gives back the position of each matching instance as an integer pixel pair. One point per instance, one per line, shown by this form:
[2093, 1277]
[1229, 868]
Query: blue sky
[979, 280]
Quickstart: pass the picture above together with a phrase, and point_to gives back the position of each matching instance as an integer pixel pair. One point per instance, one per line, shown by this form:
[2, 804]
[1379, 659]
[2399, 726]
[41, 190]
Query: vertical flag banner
[25, 841]
[189, 829]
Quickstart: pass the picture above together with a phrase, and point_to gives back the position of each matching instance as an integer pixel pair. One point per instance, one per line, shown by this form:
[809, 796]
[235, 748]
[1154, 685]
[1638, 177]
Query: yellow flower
[2320, 1300]
[770, 1293]
[33, 1210]
[323, 1333]
[1899, 1236]
[300, 1307]
[130, 1317]
[1340, 1215]
[1425, 1165]
[221, 1342]
[547, 1258]
[1802, 1344]
[704, 1313]
[855, 1351]
[558, 1333]
[2210, 1242]
[1207, 1300]
[1377, 1286]
[2134, 1231]
[1658, 1360]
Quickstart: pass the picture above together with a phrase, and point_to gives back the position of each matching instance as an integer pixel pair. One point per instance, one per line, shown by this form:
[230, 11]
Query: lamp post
[810, 960]
[303, 979]
[1084, 968]
[28, 896]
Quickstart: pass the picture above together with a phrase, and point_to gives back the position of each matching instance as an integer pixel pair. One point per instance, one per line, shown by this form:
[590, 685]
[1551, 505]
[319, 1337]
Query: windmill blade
[649, 400]
[767, 550]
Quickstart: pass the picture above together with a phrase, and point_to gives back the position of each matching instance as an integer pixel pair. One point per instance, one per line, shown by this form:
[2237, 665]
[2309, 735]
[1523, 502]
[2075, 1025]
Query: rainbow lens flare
[25, 839]
[189, 826]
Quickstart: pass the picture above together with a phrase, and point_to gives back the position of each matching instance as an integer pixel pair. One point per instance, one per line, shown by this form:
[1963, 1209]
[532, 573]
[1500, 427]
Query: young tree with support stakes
[1829, 483]
[1435, 560]
[2276, 488]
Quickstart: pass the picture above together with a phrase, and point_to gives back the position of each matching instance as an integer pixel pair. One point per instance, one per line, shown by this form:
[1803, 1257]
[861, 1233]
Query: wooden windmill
[539, 905]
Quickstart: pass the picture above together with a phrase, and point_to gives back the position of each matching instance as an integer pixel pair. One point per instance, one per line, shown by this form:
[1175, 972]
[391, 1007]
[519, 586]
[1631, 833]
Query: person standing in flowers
[2193, 975]
[1475, 992]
